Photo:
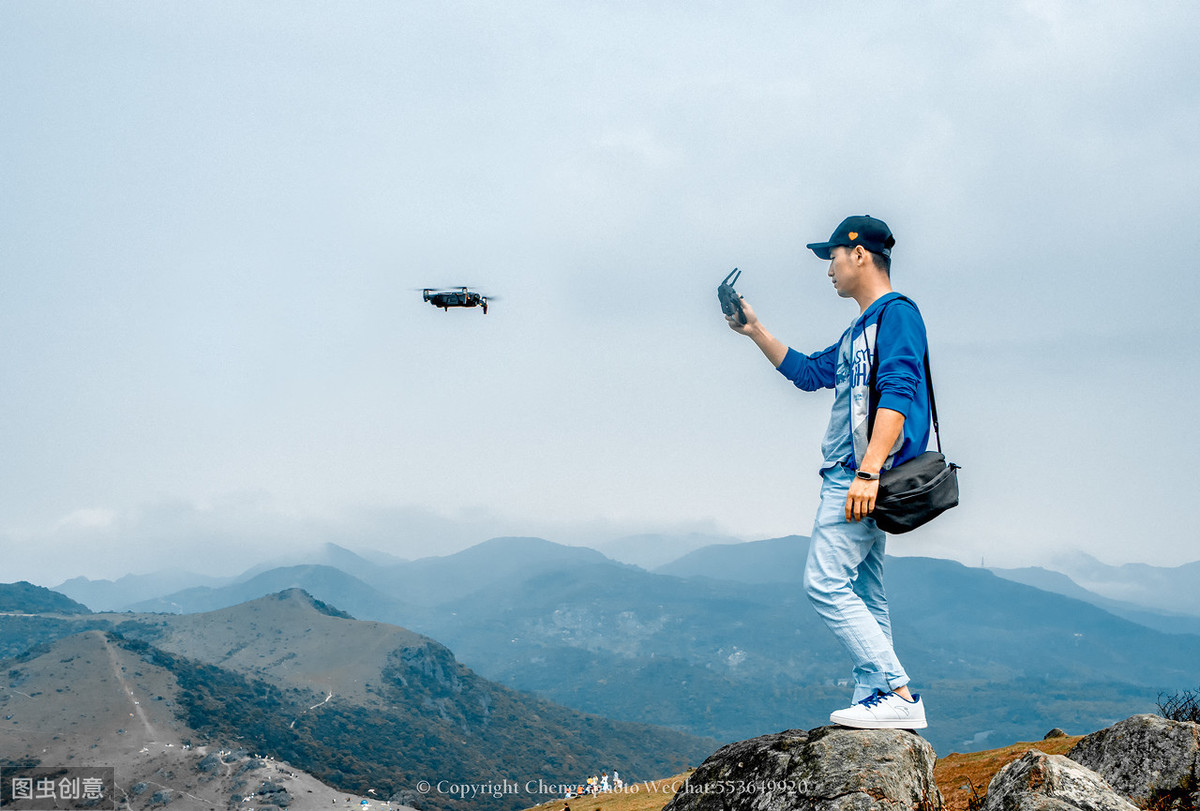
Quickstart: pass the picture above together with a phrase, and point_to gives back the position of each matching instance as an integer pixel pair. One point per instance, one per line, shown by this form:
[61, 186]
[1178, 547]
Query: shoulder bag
[924, 487]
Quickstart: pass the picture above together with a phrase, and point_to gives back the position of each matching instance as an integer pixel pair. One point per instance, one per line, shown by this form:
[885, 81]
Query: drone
[455, 297]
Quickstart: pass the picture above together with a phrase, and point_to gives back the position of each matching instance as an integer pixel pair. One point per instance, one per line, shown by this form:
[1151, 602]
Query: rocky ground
[1143, 762]
[198, 778]
[963, 777]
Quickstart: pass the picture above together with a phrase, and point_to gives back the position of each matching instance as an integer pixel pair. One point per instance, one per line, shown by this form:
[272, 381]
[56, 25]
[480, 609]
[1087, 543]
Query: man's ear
[860, 255]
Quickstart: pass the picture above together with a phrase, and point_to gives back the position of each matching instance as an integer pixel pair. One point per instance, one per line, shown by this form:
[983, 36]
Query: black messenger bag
[924, 487]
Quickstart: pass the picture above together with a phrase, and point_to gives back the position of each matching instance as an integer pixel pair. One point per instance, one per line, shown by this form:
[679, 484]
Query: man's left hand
[861, 498]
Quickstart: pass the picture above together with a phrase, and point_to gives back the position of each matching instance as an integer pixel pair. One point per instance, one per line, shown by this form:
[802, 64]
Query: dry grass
[89, 702]
[956, 773]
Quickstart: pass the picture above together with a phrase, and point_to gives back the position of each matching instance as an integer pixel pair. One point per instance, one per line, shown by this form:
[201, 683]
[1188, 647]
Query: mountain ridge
[321, 580]
[728, 646]
[23, 596]
[378, 569]
[1059, 583]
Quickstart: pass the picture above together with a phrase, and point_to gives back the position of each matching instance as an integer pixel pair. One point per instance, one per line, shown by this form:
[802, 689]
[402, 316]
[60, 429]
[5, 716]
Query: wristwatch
[871, 477]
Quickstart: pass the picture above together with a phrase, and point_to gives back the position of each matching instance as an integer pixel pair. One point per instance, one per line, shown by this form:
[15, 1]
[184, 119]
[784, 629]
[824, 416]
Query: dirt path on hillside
[313, 707]
[134, 702]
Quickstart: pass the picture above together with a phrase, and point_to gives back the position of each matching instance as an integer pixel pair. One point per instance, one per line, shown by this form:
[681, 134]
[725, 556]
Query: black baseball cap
[872, 234]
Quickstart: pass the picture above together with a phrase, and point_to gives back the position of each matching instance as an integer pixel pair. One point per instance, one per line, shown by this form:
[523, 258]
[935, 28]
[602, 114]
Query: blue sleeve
[810, 372]
[901, 350]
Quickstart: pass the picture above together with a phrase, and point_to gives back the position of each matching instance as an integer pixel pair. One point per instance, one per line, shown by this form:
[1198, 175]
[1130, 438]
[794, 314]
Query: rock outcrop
[824, 769]
[1150, 759]
[1040, 782]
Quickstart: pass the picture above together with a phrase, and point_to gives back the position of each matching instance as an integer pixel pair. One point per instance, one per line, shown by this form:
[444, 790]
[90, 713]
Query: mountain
[436, 580]
[384, 592]
[360, 705]
[778, 560]
[654, 549]
[23, 596]
[138, 592]
[717, 656]
[91, 700]
[722, 642]
[782, 560]
[691, 654]
[324, 582]
[1059, 583]
[120, 594]
[1170, 589]
[331, 555]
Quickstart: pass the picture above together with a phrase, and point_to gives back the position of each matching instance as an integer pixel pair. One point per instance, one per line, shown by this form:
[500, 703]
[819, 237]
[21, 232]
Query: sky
[217, 219]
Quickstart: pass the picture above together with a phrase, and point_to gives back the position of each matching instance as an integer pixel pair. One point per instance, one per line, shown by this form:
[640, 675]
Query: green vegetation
[996, 660]
[438, 722]
[26, 598]
[23, 636]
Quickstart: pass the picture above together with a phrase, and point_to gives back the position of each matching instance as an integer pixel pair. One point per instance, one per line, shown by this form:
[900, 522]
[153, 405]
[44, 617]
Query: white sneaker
[883, 711]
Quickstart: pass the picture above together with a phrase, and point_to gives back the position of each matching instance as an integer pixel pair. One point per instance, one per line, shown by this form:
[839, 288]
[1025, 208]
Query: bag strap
[928, 373]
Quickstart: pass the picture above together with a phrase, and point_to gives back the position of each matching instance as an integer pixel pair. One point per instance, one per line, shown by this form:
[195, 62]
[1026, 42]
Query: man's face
[844, 271]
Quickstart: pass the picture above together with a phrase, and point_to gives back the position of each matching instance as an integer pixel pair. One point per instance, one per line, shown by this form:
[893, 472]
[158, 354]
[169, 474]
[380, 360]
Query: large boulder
[1040, 782]
[1150, 759]
[825, 769]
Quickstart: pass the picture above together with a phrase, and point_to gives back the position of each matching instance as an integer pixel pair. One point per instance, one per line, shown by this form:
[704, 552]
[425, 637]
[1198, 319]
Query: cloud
[86, 519]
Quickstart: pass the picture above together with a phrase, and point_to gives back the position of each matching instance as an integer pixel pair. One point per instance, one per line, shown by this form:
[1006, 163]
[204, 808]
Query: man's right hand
[748, 313]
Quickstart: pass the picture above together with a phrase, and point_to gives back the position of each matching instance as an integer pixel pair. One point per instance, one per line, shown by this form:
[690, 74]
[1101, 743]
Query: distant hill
[140, 592]
[650, 550]
[385, 592]
[362, 705]
[778, 560]
[722, 642]
[120, 594]
[437, 580]
[781, 560]
[691, 654]
[1171, 589]
[732, 659]
[324, 582]
[363, 566]
[1058, 583]
[26, 598]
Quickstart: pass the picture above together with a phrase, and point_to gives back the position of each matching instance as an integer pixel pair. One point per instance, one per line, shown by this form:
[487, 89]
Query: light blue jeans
[844, 580]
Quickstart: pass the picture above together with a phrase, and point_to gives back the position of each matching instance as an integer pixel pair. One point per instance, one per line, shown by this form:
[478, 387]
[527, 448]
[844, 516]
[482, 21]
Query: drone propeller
[455, 289]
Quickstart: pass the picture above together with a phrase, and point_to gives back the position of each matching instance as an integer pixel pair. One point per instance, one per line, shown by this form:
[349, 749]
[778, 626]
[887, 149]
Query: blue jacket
[900, 377]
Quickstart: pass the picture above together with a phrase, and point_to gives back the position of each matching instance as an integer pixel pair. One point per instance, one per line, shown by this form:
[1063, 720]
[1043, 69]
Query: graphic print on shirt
[859, 372]
[862, 349]
[846, 367]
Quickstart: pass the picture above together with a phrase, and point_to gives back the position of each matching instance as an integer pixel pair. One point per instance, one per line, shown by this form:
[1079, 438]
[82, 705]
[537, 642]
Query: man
[875, 424]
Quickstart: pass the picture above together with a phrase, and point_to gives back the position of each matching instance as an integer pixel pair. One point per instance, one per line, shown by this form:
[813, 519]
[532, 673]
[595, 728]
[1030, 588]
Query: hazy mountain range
[1165, 608]
[721, 642]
